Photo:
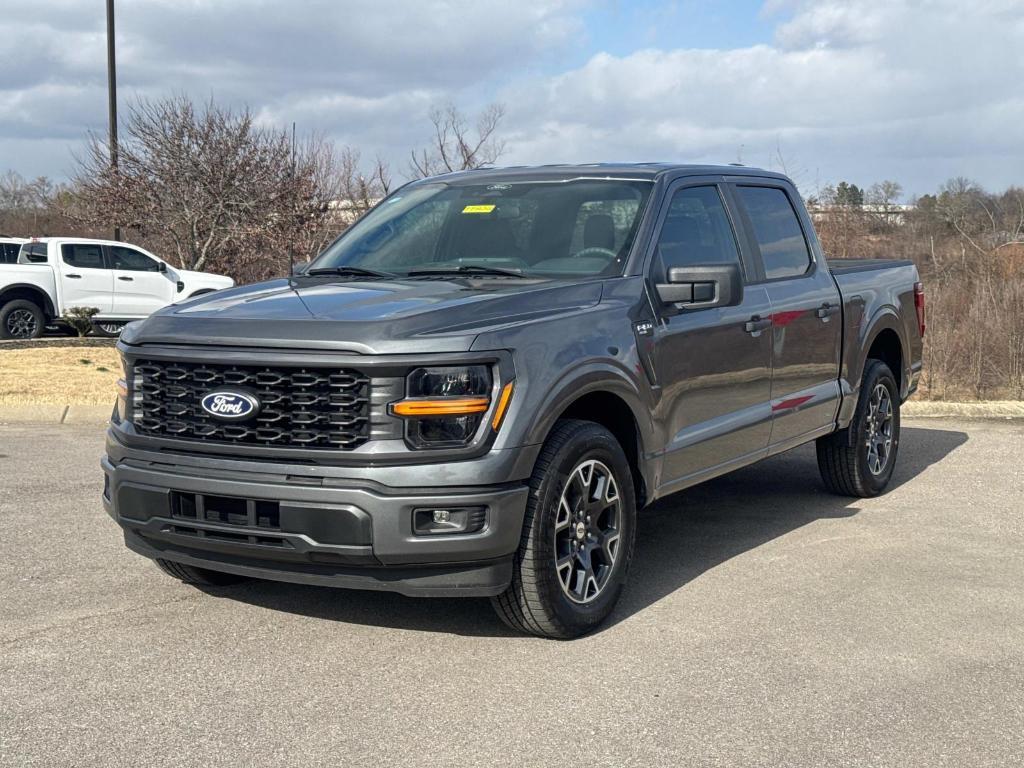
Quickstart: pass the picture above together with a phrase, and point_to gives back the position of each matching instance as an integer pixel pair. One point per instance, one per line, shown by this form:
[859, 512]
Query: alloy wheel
[22, 324]
[587, 531]
[879, 429]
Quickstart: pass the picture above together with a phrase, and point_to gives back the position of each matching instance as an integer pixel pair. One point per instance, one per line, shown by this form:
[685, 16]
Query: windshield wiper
[348, 272]
[467, 269]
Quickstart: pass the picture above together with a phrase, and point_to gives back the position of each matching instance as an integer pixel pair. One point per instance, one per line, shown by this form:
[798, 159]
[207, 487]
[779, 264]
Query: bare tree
[884, 194]
[457, 148]
[30, 207]
[361, 189]
[210, 188]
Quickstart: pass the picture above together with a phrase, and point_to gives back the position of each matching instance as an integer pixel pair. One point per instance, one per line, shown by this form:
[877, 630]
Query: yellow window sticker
[479, 208]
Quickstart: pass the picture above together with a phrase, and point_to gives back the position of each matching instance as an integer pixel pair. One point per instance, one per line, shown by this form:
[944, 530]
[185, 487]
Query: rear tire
[577, 539]
[21, 319]
[200, 577]
[859, 460]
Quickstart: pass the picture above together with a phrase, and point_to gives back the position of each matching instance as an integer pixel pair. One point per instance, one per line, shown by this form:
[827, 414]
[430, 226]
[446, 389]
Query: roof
[87, 240]
[644, 171]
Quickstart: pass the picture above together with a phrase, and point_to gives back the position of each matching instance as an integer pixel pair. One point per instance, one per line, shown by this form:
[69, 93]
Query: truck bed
[849, 266]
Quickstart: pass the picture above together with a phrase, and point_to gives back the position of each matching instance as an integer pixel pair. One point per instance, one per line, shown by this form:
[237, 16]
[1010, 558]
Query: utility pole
[112, 96]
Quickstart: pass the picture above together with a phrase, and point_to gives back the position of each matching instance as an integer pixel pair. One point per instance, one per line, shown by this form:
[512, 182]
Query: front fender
[594, 377]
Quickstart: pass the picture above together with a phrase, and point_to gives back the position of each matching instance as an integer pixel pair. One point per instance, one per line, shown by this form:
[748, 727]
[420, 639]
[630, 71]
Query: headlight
[444, 406]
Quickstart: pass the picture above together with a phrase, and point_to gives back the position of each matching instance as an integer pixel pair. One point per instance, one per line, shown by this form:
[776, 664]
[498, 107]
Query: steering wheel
[595, 250]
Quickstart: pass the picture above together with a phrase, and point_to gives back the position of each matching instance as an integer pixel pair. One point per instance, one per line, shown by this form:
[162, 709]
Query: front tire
[106, 329]
[21, 319]
[859, 460]
[200, 577]
[578, 534]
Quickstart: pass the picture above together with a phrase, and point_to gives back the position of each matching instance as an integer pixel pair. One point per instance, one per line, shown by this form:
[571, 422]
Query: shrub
[80, 318]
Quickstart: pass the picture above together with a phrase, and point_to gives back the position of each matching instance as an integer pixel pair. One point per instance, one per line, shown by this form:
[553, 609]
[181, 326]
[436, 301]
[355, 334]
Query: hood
[205, 278]
[365, 316]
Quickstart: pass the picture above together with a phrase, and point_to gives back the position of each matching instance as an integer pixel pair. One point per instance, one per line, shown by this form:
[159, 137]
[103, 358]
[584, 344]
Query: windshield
[576, 228]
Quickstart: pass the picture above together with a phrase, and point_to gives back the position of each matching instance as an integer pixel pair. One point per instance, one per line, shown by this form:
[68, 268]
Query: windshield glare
[578, 228]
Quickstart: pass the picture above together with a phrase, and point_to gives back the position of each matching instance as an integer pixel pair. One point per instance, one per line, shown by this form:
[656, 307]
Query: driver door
[713, 365]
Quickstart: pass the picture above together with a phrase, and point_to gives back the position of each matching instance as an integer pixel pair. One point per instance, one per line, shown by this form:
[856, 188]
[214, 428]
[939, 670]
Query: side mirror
[161, 267]
[702, 287]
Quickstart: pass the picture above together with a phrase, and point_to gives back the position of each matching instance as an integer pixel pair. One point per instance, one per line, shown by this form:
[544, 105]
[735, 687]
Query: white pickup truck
[123, 281]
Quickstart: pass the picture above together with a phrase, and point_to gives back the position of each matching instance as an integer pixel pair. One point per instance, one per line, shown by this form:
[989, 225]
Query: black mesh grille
[299, 407]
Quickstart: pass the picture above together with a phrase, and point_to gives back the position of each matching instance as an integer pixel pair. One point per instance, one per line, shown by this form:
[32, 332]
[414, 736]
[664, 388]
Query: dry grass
[59, 374]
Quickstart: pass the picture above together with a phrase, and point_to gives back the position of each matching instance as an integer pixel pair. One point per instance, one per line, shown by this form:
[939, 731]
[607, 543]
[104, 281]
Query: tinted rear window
[33, 253]
[777, 229]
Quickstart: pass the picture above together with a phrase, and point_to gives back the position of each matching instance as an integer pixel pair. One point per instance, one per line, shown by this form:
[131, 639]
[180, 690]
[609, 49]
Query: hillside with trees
[208, 188]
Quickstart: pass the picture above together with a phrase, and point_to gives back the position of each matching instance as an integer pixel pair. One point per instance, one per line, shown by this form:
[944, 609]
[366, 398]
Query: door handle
[126, 279]
[756, 324]
[74, 277]
[826, 310]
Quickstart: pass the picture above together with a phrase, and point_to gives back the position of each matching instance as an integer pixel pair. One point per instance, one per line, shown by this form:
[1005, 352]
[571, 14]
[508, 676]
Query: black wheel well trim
[885, 323]
[201, 292]
[28, 292]
[569, 400]
[885, 320]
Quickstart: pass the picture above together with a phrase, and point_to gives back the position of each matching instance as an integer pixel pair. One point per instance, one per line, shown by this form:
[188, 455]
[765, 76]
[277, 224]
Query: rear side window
[696, 231]
[130, 259]
[83, 255]
[783, 247]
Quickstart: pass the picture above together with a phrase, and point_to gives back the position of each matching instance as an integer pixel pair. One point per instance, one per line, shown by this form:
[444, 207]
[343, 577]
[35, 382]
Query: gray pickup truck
[475, 389]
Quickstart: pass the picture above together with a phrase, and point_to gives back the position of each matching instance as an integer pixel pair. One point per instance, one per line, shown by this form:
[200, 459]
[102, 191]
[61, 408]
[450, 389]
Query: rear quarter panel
[875, 300]
[38, 276]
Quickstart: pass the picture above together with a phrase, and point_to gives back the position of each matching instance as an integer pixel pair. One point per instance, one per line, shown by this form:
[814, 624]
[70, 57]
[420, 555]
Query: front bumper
[239, 518]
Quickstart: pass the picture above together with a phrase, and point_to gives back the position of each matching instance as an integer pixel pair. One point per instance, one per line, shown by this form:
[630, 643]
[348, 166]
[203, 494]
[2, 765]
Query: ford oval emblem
[233, 406]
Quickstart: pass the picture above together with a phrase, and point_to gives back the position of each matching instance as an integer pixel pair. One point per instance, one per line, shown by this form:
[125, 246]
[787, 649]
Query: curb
[989, 409]
[52, 413]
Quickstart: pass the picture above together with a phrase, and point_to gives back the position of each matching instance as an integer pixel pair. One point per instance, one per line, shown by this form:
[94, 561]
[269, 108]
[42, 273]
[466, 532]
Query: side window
[130, 259]
[83, 255]
[696, 231]
[783, 247]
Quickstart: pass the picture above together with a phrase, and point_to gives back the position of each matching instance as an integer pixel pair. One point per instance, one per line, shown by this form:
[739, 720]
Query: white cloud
[862, 89]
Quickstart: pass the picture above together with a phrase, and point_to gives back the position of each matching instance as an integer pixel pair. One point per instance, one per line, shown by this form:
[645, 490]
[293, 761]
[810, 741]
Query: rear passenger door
[85, 279]
[806, 311]
[712, 365]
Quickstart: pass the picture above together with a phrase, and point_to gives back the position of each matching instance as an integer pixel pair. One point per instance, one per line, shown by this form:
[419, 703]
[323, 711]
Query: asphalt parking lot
[767, 623]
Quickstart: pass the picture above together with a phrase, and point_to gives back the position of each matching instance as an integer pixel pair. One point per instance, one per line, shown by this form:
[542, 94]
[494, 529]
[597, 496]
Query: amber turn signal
[450, 406]
[503, 401]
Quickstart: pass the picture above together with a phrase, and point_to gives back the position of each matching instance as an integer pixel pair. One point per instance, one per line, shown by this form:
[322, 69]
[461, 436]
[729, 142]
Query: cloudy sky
[861, 90]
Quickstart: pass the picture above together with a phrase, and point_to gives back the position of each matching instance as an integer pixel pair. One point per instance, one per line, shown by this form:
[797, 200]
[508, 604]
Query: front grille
[300, 407]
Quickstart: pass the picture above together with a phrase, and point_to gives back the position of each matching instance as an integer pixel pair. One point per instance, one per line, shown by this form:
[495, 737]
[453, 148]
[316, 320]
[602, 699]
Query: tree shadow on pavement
[678, 539]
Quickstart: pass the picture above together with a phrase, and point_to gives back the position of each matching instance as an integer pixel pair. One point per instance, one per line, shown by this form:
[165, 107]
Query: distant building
[891, 213]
